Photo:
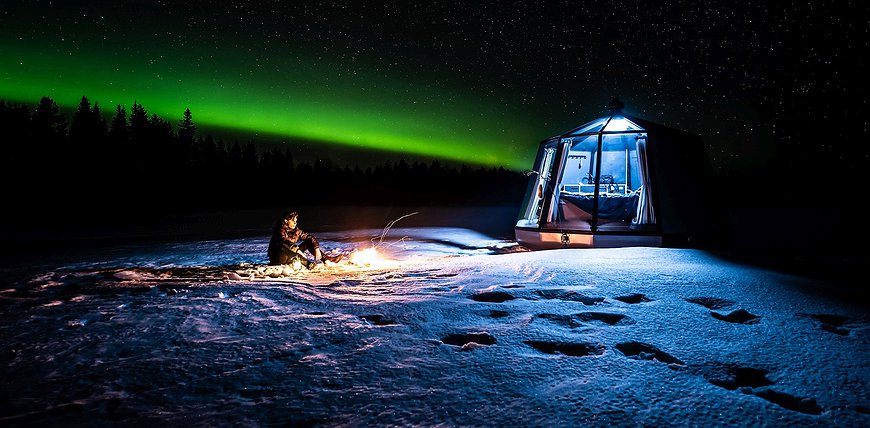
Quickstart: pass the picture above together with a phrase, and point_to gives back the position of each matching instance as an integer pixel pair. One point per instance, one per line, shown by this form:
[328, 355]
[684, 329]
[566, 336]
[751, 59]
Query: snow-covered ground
[449, 327]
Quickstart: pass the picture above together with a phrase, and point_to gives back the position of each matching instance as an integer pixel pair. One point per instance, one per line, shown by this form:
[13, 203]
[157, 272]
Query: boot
[302, 260]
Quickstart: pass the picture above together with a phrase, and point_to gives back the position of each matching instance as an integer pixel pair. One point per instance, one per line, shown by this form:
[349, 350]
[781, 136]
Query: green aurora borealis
[470, 82]
[280, 94]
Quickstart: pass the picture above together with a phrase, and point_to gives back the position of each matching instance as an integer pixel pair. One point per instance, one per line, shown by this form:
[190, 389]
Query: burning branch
[371, 256]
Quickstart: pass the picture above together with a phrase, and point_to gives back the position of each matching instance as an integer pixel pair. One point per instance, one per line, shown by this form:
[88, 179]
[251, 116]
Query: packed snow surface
[444, 327]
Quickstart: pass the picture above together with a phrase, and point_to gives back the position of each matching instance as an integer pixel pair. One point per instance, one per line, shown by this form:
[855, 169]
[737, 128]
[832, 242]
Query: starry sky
[476, 82]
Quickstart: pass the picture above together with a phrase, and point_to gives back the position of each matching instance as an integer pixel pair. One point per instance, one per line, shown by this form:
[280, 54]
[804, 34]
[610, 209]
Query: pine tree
[88, 128]
[14, 123]
[99, 122]
[186, 127]
[159, 130]
[48, 123]
[78, 129]
[138, 123]
[119, 132]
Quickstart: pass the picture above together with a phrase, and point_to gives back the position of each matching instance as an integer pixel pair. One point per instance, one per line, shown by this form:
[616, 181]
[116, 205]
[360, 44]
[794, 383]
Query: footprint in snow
[711, 302]
[571, 296]
[753, 381]
[577, 320]
[571, 349]
[788, 401]
[740, 316]
[562, 320]
[633, 299]
[604, 317]
[492, 313]
[492, 297]
[377, 319]
[468, 341]
[645, 351]
[732, 376]
[832, 323]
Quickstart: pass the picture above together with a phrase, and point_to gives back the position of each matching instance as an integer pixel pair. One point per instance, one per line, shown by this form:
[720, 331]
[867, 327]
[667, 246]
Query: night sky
[461, 81]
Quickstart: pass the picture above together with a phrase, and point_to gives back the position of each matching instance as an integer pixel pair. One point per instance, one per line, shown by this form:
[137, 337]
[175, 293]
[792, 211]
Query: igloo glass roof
[618, 123]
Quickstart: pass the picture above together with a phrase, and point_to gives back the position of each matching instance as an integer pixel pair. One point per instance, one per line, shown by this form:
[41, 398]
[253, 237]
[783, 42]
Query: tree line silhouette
[136, 161]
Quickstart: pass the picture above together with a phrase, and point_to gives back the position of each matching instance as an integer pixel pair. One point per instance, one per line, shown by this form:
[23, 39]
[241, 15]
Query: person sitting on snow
[289, 243]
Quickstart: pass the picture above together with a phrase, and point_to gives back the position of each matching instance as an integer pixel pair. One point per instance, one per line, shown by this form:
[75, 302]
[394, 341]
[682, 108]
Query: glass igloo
[602, 184]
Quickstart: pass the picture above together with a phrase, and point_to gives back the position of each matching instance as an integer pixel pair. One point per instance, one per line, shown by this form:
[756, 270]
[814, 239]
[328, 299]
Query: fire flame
[370, 257]
[367, 257]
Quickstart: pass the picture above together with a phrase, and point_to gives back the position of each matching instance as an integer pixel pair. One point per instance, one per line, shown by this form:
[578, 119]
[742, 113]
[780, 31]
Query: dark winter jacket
[284, 238]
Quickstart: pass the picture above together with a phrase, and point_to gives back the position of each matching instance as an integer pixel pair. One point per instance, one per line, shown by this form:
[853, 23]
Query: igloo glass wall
[620, 181]
[591, 178]
[604, 184]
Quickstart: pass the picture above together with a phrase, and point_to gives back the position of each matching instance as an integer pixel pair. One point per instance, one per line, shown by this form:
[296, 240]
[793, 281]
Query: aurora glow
[463, 81]
[362, 110]
[278, 91]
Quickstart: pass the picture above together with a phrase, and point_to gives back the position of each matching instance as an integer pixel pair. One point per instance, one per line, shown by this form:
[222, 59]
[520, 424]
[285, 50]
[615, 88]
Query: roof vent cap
[616, 105]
